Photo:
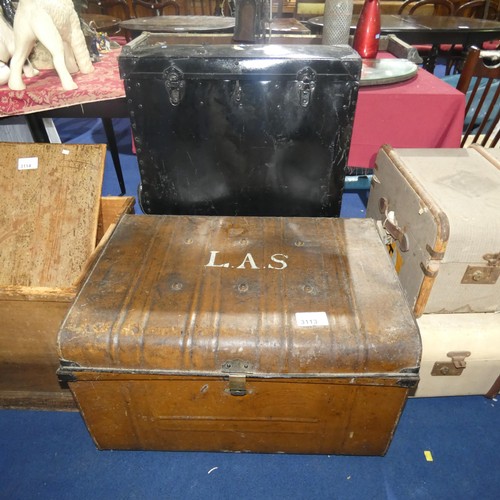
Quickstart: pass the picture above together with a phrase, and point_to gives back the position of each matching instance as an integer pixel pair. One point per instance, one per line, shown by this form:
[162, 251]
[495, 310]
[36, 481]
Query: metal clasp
[306, 79]
[452, 368]
[483, 275]
[237, 370]
[236, 96]
[391, 226]
[175, 84]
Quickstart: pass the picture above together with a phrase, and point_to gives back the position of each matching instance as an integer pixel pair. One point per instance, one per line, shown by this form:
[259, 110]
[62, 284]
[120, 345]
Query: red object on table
[423, 112]
[367, 34]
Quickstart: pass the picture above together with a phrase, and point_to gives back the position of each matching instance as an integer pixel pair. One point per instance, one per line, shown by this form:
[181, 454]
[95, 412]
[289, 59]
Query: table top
[289, 25]
[445, 23]
[430, 29]
[176, 24]
[205, 24]
[390, 22]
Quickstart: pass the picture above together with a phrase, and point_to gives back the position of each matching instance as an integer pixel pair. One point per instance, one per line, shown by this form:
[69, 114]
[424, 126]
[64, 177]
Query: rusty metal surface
[242, 334]
[289, 296]
[199, 414]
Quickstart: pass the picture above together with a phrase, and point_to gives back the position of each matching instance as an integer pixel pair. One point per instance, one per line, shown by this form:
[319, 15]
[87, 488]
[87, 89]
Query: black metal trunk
[240, 129]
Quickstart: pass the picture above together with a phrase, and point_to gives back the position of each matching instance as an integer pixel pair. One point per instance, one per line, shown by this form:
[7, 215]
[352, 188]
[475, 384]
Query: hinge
[175, 84]
[64, 374]
[483, 275]
[306, 79]
[237, 370]
[412, 369]
[451, 368]
[409, 382]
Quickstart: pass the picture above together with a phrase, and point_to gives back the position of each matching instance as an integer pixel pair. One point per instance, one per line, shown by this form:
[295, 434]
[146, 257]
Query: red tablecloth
[44, 92]
[424, 112]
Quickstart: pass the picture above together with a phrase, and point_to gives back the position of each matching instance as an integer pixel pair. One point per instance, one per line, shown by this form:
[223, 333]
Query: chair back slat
[488, 125]
[480, 82]
[495, 140]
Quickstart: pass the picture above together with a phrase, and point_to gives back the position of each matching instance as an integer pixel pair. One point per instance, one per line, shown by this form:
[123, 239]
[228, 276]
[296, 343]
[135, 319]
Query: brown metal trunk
[242, 334]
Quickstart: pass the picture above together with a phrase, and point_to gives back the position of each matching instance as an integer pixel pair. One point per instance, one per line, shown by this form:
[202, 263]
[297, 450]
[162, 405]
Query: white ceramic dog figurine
[6, 51]
[56, 25]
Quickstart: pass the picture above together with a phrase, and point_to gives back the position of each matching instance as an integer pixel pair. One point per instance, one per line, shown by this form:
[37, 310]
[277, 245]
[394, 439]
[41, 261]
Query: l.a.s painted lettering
[278, 261]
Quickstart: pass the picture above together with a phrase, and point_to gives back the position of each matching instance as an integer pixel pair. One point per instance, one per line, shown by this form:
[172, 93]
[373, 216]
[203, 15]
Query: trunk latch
[175, 84]
[451, 368]
[306, 79]
[483, 275]
[391, 226]
[237, 370]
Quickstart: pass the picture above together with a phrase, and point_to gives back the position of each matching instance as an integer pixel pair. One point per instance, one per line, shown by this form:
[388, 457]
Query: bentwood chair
[480, 9]
[115, 8]
[427, 7]
[428, 53]
[455, 54]
[480, 82]
[146, 8]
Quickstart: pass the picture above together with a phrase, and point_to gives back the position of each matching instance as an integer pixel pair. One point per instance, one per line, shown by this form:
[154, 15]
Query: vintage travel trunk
[460, 354]
[53, 223]
[240, 129]
[438, 212]
[242, 334]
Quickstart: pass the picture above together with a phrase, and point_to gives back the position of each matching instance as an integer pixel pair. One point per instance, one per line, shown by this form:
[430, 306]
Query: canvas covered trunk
[240, 129]
[242, 334]
[438, 212]
[460, 354]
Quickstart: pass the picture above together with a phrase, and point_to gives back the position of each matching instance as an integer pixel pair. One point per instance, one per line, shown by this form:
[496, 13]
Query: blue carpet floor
[48, 455]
